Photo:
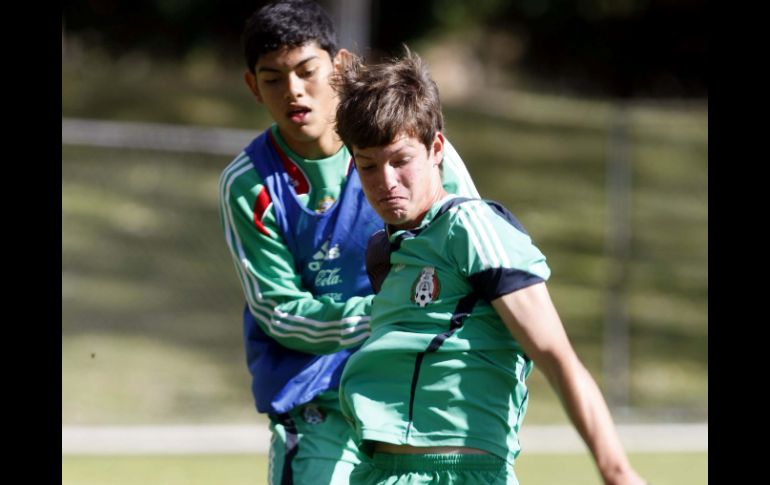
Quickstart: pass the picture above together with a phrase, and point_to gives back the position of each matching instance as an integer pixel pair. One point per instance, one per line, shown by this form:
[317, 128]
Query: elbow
[558, 365]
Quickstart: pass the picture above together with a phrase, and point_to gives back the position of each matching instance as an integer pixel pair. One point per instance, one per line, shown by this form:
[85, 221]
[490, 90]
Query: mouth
[298, 114]
[391, 200]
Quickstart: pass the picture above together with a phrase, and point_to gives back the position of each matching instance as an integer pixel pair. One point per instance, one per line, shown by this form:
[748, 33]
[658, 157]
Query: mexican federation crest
[312, 414]
[426, 287]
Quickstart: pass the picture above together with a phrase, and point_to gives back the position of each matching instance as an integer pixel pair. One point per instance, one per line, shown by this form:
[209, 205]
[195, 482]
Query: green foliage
[455, 14]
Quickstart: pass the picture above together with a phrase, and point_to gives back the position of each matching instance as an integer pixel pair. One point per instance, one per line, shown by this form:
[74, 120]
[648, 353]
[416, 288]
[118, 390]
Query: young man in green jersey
[296, 223]
[437, 392]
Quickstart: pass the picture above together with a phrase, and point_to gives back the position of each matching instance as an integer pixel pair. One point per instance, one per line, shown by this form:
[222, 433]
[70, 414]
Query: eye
[308, 73]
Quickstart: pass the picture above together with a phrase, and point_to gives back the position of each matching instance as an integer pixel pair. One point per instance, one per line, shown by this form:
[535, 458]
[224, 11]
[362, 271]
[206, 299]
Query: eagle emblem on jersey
[312, 414]
[325, 204]
[426, 287]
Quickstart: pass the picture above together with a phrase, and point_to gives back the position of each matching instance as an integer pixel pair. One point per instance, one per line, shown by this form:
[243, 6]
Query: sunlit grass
[531, 469]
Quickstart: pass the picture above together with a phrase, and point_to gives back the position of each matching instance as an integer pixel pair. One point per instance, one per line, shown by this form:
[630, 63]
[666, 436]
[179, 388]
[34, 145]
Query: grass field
[150, 302]
[659, 469]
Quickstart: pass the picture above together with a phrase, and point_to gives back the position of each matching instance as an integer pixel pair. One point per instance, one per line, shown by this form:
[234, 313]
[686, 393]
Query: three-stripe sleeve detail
[347, 331]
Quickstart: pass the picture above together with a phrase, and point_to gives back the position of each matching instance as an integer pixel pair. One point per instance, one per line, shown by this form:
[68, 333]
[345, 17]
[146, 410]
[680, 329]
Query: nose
[389, 177]
[294, 87]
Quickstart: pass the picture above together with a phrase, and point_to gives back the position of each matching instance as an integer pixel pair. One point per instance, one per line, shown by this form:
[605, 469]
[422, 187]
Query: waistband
[436, 462]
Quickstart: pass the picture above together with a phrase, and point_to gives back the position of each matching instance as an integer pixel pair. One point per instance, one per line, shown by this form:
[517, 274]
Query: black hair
[289, 23]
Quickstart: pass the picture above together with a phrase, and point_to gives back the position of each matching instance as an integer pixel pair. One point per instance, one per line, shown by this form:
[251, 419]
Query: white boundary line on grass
[233, 439]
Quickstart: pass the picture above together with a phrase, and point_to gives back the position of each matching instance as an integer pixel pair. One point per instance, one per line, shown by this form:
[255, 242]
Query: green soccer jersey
[421, 379]
[266, 268]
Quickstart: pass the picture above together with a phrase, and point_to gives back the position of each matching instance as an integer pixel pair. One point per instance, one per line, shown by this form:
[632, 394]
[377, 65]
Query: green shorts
[312, 444]
[438, 469]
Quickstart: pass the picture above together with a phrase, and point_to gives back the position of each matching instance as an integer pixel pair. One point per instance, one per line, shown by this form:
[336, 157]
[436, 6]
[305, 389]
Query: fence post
[353, 19]
[615, 352]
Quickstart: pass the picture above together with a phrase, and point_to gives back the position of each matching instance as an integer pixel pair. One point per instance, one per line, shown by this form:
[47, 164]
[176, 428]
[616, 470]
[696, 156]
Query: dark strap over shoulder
[449, 205]
[378, 259]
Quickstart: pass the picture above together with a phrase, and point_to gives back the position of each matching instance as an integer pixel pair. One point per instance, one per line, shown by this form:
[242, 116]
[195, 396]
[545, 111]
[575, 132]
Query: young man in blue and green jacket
[296, 223]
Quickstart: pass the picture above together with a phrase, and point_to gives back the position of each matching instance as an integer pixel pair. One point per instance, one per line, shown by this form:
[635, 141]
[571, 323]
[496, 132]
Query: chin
[303, 133]
[390, 220]
[398, 221]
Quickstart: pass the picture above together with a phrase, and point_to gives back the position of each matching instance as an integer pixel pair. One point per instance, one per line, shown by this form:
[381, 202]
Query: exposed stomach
[381, 447]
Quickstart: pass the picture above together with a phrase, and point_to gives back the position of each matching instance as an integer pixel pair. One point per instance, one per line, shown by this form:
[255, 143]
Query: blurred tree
[621, 48]
[168, 28]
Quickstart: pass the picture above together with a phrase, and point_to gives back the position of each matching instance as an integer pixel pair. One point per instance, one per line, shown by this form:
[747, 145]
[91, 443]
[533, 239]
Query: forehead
[288, 57]
[402, 143]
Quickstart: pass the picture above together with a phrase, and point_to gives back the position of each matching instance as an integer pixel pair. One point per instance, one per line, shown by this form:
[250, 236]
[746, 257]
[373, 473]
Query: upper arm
[272, 286]
[496, 256]
[505, 268]
[262, 260]
[532, 319]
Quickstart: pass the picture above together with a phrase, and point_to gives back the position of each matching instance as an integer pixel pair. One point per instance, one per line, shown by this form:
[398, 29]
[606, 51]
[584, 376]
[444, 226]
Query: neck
[322, 147]
[438, 194]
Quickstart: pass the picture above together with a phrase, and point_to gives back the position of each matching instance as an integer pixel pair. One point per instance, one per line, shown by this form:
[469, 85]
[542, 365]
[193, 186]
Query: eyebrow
[303, 61]
[403, 151]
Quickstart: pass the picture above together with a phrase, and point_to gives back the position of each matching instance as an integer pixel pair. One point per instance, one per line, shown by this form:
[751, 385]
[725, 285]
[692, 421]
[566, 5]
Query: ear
[342, 59]
[438, 148]
[251, 82]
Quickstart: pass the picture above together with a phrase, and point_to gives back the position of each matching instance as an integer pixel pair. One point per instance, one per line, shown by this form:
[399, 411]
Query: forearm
[535, 324]
[313, 325]
[587, 409]
[296, 318]
[273, 289]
